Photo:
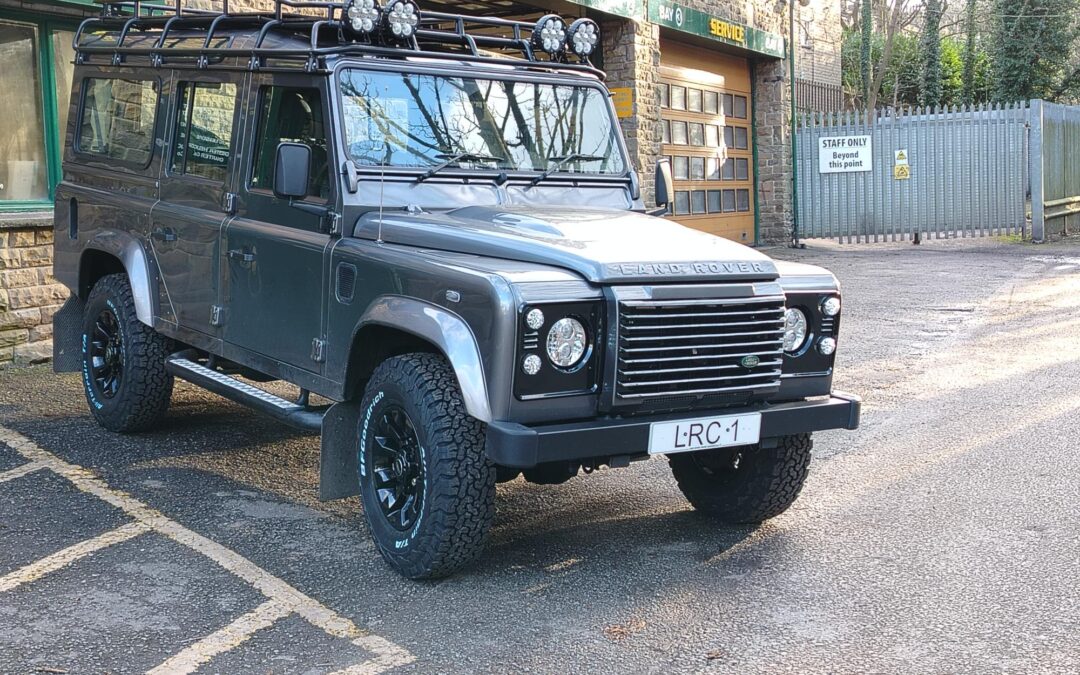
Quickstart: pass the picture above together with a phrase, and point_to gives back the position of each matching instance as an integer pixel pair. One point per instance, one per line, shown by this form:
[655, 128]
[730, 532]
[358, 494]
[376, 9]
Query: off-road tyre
[457, 485]
[764, 484]
[144, 388]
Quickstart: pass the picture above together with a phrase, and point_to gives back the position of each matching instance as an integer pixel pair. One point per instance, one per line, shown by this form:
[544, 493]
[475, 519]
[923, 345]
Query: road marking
[223, 640]
[387, 654]
[19, 472]
[65, 557]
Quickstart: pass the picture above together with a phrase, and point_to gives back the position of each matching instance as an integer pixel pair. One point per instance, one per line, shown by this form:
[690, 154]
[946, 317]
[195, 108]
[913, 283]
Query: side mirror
[664, 188]
[292, 167]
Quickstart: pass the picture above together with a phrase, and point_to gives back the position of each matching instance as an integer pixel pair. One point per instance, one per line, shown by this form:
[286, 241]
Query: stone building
[703, 82]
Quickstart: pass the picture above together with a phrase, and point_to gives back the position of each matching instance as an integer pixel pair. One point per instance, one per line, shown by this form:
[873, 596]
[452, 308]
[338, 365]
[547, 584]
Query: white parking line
[19, 472]
[387, 654]
[65, 557]
[221, 641]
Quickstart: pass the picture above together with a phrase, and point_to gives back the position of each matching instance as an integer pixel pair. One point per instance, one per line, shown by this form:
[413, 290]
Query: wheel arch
[114, 252]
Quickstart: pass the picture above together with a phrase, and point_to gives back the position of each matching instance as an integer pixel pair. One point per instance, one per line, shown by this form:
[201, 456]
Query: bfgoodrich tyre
[123, 369]
[747, 485]
[427, 487]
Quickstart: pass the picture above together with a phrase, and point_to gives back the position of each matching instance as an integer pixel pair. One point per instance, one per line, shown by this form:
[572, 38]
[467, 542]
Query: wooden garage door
[705, 113]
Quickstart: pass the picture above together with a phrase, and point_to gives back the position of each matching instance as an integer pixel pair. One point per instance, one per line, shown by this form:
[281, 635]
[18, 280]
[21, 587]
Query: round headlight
[831, 306]
[402, 18]
[566, 342]
[363, 15]
[826, 346]
[583, 36]
[549, 34]
[794, 330]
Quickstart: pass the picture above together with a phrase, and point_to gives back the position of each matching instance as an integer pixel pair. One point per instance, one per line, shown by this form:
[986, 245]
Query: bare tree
[892, 18]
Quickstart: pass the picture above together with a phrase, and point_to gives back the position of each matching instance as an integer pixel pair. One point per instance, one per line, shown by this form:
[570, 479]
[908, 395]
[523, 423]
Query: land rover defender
[431, 222]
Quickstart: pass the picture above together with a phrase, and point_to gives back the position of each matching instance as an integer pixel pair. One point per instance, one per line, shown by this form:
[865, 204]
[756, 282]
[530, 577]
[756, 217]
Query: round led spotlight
[826, 346]
[402, 18]
[831, 306]
[566, 342]
[363, 15]
[531, 364]
[534, 319]
[582, 37]
[549, 34]
[794, 330]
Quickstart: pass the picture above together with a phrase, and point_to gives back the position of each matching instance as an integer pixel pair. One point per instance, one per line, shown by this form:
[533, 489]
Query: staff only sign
[844, 154]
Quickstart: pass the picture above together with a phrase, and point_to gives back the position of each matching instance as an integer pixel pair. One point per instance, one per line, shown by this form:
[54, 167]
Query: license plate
[704, 433]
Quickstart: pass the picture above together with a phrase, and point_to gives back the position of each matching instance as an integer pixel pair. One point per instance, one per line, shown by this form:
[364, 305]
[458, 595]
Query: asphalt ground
[943, 536]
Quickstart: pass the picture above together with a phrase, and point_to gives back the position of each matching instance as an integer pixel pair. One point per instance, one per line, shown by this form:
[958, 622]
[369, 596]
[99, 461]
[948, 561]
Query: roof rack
[319, 24]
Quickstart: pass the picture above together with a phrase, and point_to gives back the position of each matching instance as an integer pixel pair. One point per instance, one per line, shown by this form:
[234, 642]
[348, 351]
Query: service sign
[845, 154]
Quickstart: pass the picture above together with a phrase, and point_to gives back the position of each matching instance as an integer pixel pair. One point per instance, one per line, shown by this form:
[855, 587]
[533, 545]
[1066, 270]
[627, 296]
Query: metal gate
[1055, 169]
[888, 175]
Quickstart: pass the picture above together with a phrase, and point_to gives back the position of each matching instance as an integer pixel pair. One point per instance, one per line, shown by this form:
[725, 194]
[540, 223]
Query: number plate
[704, 433]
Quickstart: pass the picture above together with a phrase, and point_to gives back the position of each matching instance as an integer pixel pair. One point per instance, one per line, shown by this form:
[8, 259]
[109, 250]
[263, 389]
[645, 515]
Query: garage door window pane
[678, 133]
[693, 100]
[740, 107]
[729, 137]
[729, 201]
[680, 169]
[712, 168]
[742, 169]
[712, 102]
[666, 131]
[712, 136]
[742, 200]
[22, 151]
[728, 170]
[682, 203]
[697, 168]
[697, 201]
[741, 138]
[697, 134]
[728, 104]
[663, 95]
[714, 201]
[118, 119]
[678, 97]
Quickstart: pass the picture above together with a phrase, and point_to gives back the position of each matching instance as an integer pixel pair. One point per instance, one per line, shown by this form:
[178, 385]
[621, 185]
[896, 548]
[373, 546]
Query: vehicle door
[277, 251]
[195, 197]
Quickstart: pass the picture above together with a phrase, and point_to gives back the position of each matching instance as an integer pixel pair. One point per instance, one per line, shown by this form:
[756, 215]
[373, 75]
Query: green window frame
[50, 115]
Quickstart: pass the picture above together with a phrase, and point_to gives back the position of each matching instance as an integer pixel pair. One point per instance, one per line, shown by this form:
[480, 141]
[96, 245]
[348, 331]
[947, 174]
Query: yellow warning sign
[901, 157]
[901, 172]
[623, 98]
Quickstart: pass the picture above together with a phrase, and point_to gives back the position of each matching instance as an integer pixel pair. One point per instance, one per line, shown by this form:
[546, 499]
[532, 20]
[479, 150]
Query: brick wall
[29, 295]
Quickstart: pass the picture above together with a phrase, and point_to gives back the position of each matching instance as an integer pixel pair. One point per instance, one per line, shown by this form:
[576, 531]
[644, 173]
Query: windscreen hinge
[318, 350]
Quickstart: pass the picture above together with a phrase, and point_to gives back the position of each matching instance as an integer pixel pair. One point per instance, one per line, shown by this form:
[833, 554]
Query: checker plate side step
[293, 414]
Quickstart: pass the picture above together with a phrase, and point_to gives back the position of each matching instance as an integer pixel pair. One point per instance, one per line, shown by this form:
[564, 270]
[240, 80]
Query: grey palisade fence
[940, 172]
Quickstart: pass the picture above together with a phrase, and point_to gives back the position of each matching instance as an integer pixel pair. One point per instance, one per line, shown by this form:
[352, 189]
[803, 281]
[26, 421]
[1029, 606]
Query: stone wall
[29, 295]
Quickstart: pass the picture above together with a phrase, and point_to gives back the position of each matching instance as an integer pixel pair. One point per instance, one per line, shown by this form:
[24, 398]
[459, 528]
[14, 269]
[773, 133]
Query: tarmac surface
[943, 535]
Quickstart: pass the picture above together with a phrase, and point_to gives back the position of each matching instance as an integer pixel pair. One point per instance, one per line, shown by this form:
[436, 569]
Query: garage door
[705, 115]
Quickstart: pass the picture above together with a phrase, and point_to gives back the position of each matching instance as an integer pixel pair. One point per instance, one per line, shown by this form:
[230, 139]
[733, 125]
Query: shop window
[729, 137]
[728, 205]
[714, 201]
[742, 169]
[663, 89]
[742, 141]
[697, 168]
[712, 136]
[665, 131]
[712, 102]
[697, 134]
[678, 97]
[693, 100]
[728, 170]
[729, 105]
[740, 107]
[204, 129]
[682, 203]
[291, 114]
[712, 168]
[680, 168]
[678, 132]
[697, 201]
[118, 119]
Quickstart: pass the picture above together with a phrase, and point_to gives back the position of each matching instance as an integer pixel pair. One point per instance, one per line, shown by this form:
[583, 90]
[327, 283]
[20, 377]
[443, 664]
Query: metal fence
[888, 175]
[1055, 169]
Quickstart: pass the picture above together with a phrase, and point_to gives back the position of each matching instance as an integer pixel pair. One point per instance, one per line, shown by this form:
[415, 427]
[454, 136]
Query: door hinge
[318, 350]
[217, 315]
[228, 202]
[335, 222]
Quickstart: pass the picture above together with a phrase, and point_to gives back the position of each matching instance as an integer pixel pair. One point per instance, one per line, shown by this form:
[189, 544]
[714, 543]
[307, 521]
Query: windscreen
[422, 121]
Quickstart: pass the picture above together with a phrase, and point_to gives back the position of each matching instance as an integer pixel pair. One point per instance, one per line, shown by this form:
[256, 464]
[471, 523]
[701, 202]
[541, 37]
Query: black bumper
[520, 446]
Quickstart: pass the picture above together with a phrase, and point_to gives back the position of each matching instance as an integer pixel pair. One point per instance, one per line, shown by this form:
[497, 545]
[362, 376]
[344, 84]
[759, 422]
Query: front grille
[697, 347]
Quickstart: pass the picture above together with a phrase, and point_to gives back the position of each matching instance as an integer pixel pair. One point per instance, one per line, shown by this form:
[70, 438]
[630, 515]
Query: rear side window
[291, 114]
[204, 129]
[118, 119]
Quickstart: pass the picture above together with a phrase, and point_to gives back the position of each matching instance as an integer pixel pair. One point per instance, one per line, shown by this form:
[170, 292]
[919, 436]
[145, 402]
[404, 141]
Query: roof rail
[321, 25]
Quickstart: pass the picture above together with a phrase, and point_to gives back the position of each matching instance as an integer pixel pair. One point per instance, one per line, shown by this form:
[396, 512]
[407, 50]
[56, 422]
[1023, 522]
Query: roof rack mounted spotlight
[363, 15]
[549, 34]
[401, 18]
[582, 37]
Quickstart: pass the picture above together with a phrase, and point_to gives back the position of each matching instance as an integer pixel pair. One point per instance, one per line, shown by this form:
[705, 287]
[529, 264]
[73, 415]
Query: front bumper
[519, 446]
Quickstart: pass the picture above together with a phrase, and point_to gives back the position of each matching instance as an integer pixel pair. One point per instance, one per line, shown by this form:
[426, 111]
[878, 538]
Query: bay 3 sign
[843, 154]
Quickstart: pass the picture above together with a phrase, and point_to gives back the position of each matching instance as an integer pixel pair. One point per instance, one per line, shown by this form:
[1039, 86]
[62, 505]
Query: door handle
[242, 255]
[164, 234]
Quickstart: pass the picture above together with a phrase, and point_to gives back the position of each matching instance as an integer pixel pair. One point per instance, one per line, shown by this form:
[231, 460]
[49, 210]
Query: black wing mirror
[292, 167]
[664, 187]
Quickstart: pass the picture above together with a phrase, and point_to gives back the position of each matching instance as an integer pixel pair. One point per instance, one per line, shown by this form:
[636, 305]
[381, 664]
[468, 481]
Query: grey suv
[430, 222]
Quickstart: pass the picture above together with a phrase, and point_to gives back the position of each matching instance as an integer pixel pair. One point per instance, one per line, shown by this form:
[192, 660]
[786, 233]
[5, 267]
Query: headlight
[566, 342]
[363, 15]
[582, 37]
[549, 34]
[794, 330]
[402, 18]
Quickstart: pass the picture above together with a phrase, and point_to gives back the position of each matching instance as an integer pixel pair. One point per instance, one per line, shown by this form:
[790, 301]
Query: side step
[293, 414]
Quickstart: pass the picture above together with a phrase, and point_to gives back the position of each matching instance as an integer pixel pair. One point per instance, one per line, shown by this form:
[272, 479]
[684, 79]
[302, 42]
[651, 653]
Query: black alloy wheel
[107, 354]
[397, 468]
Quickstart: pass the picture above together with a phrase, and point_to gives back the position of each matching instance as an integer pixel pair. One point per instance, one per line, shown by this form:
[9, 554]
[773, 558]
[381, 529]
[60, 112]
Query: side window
[118, 119]
[204, 123]
[294, 115]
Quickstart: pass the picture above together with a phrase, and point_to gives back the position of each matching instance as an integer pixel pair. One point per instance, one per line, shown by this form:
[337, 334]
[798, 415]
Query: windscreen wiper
[559, 161]
[454, 159]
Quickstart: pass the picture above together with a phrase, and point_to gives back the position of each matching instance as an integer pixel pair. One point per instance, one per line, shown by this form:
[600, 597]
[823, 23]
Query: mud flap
[67, 336]
[337, 464]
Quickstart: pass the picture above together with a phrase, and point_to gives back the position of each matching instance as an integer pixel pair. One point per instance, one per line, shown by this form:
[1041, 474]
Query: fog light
[531, 364]
[826, 346]
[534, 319]
[831, 306]
[582, 37]
[549, 34]
[402, 18]
[363, 15]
